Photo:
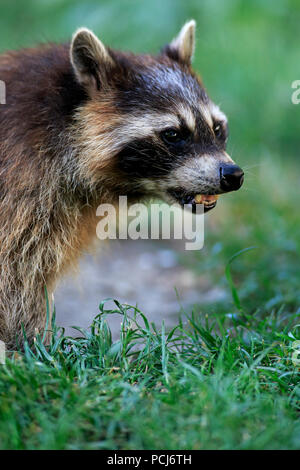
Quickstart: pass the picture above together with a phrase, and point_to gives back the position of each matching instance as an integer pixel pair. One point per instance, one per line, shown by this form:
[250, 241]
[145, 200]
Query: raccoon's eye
[172, 136]
[219, 131]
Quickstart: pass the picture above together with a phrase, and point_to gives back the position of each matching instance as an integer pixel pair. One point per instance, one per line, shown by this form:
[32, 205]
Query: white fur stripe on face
[145, 125]
[141, 126]
[205, 113]
[187, 116]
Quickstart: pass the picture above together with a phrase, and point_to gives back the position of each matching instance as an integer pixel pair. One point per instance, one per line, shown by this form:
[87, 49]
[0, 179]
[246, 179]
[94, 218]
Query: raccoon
[84, 124]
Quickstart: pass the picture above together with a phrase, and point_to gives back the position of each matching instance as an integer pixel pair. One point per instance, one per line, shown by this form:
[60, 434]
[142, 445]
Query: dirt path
[142, 273]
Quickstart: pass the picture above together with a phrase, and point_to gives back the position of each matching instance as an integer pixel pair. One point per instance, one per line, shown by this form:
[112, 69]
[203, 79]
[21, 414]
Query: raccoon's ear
[90, 59]
[182, 47]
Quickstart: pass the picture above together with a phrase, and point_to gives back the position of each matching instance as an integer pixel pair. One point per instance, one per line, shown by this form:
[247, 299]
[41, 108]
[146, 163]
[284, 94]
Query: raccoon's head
[149, 125]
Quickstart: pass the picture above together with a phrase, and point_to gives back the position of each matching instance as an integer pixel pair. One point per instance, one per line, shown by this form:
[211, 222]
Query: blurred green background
[248, 54]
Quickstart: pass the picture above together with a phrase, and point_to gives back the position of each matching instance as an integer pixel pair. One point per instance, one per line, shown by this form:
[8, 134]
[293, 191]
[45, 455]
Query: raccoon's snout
[231, 177]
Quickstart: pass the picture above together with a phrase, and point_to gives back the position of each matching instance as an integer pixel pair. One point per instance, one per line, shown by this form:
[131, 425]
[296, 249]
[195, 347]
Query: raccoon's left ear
[90, 59]
[182, 47]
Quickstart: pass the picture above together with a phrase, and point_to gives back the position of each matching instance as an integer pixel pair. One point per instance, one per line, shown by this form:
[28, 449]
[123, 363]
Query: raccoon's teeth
[205, 199]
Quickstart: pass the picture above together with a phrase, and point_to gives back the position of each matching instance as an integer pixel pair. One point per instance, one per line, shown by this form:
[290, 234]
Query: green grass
[218, 382]
[225, 379]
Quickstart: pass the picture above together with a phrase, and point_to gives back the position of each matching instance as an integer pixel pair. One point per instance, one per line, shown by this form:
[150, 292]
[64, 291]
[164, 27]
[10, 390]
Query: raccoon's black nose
[231, 177]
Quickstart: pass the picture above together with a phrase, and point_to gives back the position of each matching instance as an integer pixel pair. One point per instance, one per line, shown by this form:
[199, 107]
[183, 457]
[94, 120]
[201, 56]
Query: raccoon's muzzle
[231, 179]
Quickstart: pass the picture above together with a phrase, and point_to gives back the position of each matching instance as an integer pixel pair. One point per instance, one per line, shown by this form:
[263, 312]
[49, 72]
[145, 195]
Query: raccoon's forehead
[161, 86]
[172, 83]
[167, 96]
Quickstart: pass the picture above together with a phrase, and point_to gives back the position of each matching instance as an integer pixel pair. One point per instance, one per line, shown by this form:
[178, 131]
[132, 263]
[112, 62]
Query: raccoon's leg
[20, 314]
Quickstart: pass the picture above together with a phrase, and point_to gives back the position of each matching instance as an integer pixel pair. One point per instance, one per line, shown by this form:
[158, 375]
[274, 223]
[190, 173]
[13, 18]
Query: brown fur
[47, 214]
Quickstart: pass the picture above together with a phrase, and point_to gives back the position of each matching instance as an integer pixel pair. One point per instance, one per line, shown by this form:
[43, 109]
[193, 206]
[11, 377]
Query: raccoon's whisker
[247, 167]
[249, 189]
[249, 173]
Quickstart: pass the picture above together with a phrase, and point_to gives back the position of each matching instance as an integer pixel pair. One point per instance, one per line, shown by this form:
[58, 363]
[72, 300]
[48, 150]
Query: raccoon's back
[41, 95]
